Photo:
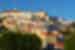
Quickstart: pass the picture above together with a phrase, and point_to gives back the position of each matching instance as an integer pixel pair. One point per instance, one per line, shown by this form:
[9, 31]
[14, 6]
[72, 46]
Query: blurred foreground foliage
[69, 43]
[16, 40]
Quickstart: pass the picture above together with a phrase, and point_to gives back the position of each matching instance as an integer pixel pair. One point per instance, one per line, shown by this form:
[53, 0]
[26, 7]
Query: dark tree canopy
[15, 41]
[28, 42]
[7, 41]
[73, 24]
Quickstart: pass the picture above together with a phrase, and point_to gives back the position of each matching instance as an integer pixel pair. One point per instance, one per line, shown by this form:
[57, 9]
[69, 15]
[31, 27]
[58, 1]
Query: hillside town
[51, 29]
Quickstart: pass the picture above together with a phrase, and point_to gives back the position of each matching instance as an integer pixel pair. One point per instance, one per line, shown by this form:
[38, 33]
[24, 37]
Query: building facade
[26, 21]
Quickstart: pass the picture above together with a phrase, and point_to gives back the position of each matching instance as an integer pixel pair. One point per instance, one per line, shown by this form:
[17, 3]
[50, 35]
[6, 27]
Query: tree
[73, 24]
[70, 43]
[69, 40]
[36, 42]
[54, 19]
[8, 41]
[28, 41]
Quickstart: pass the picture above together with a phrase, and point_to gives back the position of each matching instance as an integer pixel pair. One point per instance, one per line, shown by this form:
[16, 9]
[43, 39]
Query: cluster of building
[27, 21]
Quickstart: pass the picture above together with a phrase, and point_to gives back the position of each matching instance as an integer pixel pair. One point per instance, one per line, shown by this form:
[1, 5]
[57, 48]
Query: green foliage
[15, 40]
[7, 41]
[70, 43]
[28, 42]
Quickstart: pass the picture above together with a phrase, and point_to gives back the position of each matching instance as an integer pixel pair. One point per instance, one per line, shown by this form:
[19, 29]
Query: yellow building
[14, 17]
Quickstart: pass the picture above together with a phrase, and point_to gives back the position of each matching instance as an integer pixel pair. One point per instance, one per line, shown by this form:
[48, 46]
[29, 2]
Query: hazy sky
[65, 8]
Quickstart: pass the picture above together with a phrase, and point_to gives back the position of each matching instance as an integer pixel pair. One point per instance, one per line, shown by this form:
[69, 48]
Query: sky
[62, 8]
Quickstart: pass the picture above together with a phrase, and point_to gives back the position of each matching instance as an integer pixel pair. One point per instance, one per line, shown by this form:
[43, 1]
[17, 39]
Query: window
[43, 19]
[34, 18]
